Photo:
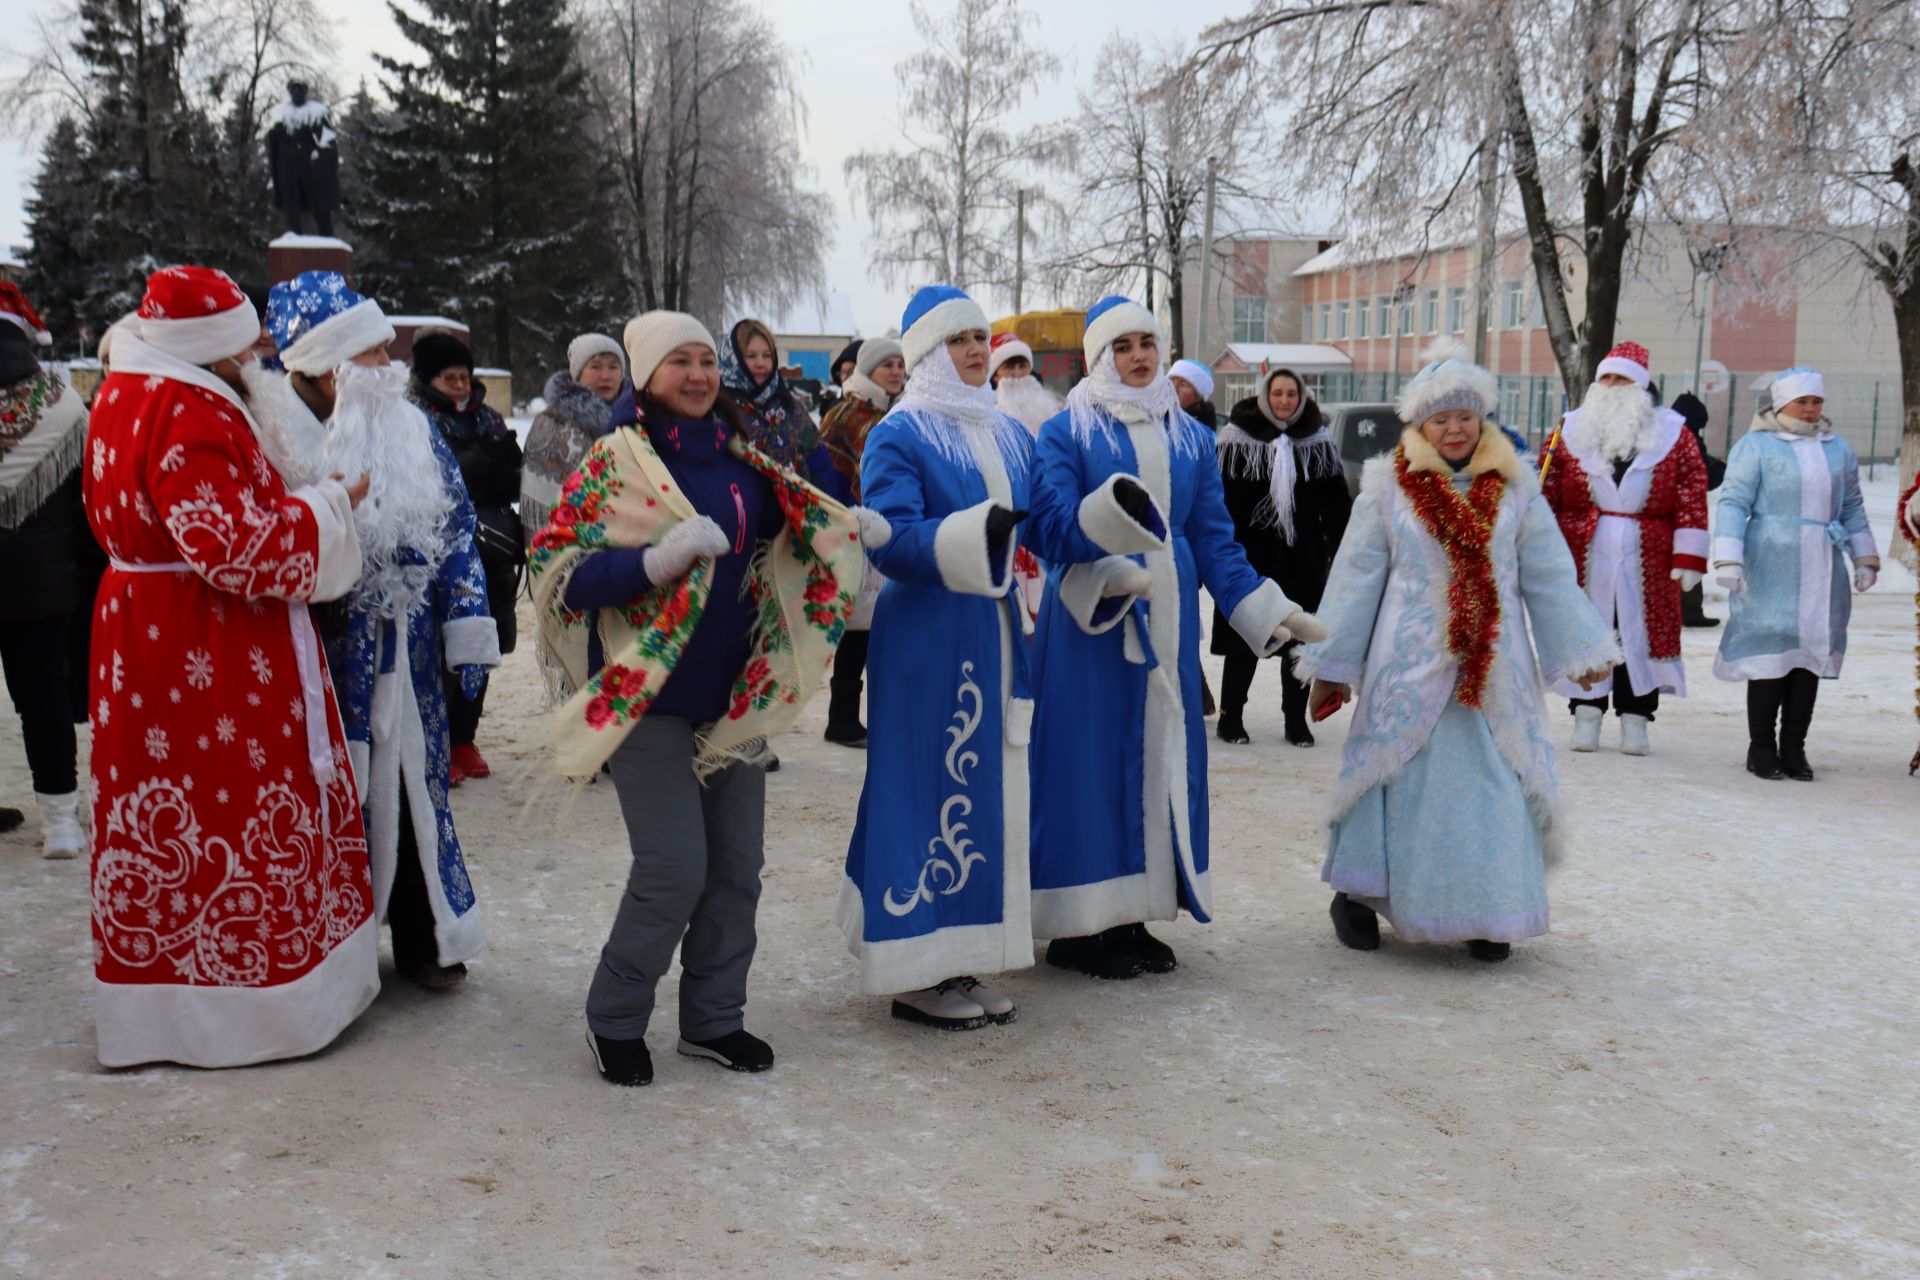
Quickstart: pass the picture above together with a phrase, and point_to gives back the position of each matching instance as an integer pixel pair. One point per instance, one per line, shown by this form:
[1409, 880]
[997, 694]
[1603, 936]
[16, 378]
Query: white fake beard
[288, 433]
[1617, 421]
[1026, 399]
[375, 429]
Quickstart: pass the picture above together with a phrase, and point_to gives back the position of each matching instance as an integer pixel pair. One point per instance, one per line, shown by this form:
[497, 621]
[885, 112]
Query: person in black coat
[1287, 494]
[490, 460]
[1693, 610]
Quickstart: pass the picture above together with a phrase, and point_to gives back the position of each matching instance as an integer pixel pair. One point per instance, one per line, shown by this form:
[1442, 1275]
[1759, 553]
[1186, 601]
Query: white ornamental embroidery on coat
[951, 855]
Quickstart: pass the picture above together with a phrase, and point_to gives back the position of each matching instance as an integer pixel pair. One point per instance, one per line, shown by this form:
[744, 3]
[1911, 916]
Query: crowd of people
[305, 569]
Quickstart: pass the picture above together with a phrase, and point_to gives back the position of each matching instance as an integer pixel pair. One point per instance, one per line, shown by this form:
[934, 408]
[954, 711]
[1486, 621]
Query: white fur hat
[650, 337]
[1793, 383]
[1112, 316]
[1005, 347]
[1195, 373]
[586, 347]
[1449, 381]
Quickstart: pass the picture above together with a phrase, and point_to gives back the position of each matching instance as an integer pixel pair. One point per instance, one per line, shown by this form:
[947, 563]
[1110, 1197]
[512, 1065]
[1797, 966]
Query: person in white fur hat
[1129, 515]
[1447, 809]
[936, 873]
[1790, 507]
[417, 614]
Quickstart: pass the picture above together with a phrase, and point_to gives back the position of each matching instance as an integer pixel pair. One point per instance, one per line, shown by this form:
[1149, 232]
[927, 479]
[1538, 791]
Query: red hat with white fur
[1629, 360]
[15, 307]
[1006, 346]
[197, 314]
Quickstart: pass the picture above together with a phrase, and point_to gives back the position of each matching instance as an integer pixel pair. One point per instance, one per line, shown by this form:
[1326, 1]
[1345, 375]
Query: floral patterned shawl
[804, 585]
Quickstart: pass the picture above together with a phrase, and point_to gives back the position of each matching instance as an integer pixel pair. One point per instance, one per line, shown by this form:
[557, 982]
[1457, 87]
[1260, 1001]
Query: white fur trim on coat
[1626, 368]
[966, 562]
[1260, 614]
[471, 642]
[338, 338]
[1092, 593]
[1122, 317]
[203, 340]
[1108, 525]
[955, 315]
[340, 562]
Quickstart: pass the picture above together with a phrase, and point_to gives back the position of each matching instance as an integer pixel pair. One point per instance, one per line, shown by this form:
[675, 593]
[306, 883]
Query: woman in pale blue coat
[1128, 511]
[1789, 506]
[1447, 810]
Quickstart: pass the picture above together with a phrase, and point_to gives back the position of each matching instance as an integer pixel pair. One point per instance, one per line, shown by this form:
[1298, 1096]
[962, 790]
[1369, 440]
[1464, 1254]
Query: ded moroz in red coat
[232, 909]
[1627, 540]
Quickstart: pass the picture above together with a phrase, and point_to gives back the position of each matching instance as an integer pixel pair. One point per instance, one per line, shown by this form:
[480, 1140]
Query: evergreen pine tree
[61, 213]
[480, 189]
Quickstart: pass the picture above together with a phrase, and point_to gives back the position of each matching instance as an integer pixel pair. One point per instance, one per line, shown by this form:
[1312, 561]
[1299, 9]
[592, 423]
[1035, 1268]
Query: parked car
[1361, 431]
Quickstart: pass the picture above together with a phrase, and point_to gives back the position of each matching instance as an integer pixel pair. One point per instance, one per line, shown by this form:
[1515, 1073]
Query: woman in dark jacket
[1287, 493]
[489, 458]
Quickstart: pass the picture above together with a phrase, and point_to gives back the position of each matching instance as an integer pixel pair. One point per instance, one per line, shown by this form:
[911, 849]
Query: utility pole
[1206, 260]
[1019, 246]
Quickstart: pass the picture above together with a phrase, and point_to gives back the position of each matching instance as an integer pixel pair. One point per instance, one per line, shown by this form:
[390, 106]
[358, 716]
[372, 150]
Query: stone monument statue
[303, 155]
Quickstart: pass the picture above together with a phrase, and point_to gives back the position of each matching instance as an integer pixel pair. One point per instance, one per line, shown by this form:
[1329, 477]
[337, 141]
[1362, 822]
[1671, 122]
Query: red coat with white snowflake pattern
[232, 910]
[1628, 538]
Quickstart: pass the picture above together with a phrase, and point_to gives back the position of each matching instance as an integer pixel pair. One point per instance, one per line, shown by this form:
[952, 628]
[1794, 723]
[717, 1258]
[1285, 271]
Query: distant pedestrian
[1193, 382]
[577, 412]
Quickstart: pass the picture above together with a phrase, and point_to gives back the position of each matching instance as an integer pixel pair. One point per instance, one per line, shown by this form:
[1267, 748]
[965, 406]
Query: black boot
[1293, 700]
[1228, 727]
[1693, 608]
[1355, 924]
[1491, 952]
[1154, 955]
[1796, 717]
[1763, 711]
[623, 1062]
[1095, 957]
[1763, 761]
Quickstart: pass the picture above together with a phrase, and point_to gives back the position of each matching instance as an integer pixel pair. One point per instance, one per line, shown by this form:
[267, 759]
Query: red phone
[1332, 705]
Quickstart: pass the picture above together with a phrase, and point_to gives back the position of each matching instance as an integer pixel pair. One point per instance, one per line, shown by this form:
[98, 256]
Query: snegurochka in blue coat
[1128, 512]
[936, 887]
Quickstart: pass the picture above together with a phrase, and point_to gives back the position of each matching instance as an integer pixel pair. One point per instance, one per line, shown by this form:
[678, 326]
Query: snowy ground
[1706, 1070]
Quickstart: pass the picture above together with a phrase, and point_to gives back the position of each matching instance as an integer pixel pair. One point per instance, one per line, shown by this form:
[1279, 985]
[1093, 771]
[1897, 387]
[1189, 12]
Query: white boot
[945, 1006]
[1633, 735]
[1586, 728]
[999, 1009]
[60, 822]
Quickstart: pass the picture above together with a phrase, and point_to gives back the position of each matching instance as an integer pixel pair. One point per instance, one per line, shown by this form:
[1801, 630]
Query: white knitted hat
[1791, 384]
[650, 337]
[875, 352]
[586, 347]
[1449, 381]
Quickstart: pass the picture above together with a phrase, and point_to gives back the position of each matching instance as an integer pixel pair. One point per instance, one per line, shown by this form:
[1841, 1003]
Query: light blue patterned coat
[1788, 507]
[1445, 816]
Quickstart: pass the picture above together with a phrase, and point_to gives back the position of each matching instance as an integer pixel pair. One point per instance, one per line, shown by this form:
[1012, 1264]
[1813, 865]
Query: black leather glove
[1133, 499]
[1000, 522]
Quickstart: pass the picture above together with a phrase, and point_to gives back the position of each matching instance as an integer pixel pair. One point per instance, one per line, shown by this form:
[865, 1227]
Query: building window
[1430, 312]
[1249, 318]
[1383, 316]
[1406, 318]
[1513, 304]
[1456, 310]
[1538, 316]
[1513, 392]
[1326, 321]
[1362, 316]
[1239, 386]
[1306, 321]
[1342, 319]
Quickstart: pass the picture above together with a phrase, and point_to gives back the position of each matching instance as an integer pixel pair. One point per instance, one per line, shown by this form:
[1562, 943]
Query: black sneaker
[1095, 957]
[1230, 729]
[1154, 955]
[622, 1062]
[1355, 924]
[1491, 952]
[736, 1051]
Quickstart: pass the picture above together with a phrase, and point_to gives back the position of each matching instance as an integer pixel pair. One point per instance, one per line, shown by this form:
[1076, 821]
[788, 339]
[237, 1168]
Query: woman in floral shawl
[750, 375]
[690, 592]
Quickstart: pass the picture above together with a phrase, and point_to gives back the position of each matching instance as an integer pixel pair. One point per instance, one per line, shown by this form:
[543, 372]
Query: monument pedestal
[291, 254]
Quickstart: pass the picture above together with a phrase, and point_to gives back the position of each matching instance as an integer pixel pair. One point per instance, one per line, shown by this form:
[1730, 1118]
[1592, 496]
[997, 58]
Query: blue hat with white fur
[1112, 316]
[937, 312]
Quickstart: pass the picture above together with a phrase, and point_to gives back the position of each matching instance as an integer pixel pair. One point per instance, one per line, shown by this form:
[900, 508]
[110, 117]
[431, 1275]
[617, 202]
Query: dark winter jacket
[1694, 412]
[1205, 414]
[1321, 505]
[556, 441]
[489, 460]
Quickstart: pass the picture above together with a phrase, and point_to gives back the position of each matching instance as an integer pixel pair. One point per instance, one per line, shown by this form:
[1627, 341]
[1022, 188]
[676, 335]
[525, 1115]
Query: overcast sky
[845, 73]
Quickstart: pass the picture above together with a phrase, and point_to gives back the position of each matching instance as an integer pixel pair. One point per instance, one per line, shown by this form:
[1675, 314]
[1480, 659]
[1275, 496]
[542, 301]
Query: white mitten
[1304, 627]
[1731, 576]
[1130, 580]
[1864, 576]
[874, 529]
[1687, 578]
[683, 544]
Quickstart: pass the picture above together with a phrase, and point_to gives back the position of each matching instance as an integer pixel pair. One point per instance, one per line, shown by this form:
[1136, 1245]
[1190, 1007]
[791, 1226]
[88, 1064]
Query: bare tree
[696, 104]
[939, 204]
[1146, 131]
[1595, 99]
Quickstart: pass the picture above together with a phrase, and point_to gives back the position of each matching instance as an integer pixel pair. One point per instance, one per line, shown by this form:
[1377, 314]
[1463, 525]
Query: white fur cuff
[1107, 523]
[471, 642]
[965, 561]
[1085, 593]
[1729, 551]
[340, 562]
[338, 339]
[1259, 614]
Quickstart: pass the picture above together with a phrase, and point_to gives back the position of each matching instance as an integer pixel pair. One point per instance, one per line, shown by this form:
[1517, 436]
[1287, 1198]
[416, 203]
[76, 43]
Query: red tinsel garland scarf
[1463, 526]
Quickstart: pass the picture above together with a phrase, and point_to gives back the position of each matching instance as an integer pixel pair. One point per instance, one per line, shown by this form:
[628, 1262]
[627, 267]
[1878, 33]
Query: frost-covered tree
[61, 213]
[941, 202]
[480, 190]
[694, 102]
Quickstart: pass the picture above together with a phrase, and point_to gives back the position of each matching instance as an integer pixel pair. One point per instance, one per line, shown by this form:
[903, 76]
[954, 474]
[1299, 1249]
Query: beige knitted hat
[650, 337]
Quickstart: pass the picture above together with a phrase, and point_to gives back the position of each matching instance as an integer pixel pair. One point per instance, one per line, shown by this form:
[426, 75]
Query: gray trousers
[695, 884]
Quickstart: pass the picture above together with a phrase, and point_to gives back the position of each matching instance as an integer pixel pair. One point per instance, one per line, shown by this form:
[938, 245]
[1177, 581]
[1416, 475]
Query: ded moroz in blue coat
[936, 883]
[1119, 759]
